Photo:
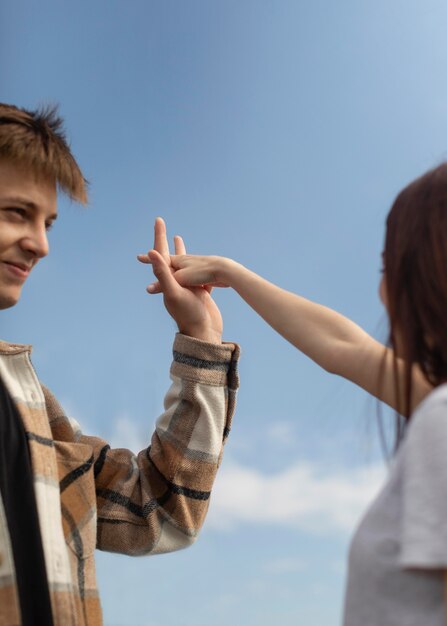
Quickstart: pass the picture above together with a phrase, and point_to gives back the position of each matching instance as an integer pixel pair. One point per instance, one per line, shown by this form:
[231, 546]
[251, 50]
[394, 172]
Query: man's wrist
[203, 334]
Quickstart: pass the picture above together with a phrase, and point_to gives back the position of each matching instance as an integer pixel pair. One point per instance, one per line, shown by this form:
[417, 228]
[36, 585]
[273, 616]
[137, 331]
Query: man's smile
[18, 269]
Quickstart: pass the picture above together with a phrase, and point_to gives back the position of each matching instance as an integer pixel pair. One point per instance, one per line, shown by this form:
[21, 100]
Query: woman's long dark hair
[415, 263]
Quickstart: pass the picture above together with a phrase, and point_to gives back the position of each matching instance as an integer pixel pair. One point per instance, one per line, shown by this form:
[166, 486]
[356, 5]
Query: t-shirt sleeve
[424, 489]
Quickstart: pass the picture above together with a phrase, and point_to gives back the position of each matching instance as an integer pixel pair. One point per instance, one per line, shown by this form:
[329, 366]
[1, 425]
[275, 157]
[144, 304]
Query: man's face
[28, 207]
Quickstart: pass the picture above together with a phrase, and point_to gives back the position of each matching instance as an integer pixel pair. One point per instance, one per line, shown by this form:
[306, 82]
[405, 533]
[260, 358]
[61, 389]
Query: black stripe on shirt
[194, 494]
[43, 440]
[75, 474]
[126, 502]
[99, 463]
[179, 357]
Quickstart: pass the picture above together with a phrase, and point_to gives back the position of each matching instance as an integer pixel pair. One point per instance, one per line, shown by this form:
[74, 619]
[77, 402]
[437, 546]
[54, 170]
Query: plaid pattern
[89, 495]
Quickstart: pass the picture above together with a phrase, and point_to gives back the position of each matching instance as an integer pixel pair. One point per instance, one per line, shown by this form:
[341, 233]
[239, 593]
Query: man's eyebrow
[27, 203]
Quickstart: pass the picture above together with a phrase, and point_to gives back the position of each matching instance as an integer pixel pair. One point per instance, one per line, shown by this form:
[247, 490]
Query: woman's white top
[399, 550]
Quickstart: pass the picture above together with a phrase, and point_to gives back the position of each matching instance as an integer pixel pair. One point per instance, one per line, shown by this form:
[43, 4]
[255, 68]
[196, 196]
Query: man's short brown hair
[36, 140]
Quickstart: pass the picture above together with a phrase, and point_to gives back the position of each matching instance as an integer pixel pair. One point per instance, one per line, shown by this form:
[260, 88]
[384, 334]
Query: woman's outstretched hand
[192, 270]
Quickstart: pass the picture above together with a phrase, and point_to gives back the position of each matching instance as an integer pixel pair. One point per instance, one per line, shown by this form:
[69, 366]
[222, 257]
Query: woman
[398, 555]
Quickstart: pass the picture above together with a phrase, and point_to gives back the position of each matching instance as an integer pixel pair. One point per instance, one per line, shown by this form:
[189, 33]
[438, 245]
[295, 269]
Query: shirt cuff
[203, 362]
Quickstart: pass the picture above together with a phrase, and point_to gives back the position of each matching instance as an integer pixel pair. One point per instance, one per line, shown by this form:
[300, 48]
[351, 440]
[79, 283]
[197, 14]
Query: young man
[63, 493]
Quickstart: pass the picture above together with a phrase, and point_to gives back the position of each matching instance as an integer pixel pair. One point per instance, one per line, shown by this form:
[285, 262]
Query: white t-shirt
[399, 550]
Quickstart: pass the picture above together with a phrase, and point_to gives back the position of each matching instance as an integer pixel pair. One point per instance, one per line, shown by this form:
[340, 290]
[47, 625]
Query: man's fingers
[168, 284]
[160, 239]
[179, 245]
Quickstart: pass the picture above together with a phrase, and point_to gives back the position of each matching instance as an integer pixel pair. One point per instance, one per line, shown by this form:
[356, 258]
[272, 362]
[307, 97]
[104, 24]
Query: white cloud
[284, 565]
[123, 432]
[126, 434]
[339, 568]
[282, 433]
[302, 496]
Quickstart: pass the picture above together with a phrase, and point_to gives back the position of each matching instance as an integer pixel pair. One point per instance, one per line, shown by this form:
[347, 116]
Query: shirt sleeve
[424, 492]
[156, 501]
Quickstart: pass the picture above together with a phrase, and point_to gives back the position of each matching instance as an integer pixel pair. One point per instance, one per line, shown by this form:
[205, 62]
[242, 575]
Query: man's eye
[18, 211]
[49, 226]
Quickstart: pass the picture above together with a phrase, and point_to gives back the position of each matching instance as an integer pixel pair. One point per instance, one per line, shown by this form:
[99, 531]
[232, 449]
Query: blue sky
[275, 132]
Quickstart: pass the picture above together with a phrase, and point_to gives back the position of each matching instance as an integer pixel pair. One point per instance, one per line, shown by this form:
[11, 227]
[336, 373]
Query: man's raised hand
[193, 309]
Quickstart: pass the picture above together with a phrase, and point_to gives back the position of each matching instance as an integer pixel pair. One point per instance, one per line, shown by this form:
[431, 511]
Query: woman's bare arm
[331, 340]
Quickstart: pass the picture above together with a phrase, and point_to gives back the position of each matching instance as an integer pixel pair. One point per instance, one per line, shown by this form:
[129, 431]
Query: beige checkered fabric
[89, 495]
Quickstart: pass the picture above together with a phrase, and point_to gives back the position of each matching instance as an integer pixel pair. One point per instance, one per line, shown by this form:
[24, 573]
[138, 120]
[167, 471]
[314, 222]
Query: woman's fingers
[185, 270]
[154, 288]
[176, 261]
[144, 258]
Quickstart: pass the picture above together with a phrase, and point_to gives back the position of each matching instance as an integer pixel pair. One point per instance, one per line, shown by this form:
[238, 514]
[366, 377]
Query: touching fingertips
[143, 258]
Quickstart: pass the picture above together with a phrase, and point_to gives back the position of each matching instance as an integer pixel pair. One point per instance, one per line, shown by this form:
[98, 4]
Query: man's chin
[8, 300]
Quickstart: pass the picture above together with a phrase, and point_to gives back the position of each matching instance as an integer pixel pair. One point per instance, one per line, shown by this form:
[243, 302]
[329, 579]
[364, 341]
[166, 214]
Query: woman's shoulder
[431, 414]
[436, 398]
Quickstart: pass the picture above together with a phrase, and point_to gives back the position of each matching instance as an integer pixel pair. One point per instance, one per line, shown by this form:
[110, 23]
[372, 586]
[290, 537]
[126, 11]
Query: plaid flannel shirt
[89, 495]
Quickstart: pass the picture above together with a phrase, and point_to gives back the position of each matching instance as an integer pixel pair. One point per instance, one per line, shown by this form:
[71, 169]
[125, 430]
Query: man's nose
[36, 242]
